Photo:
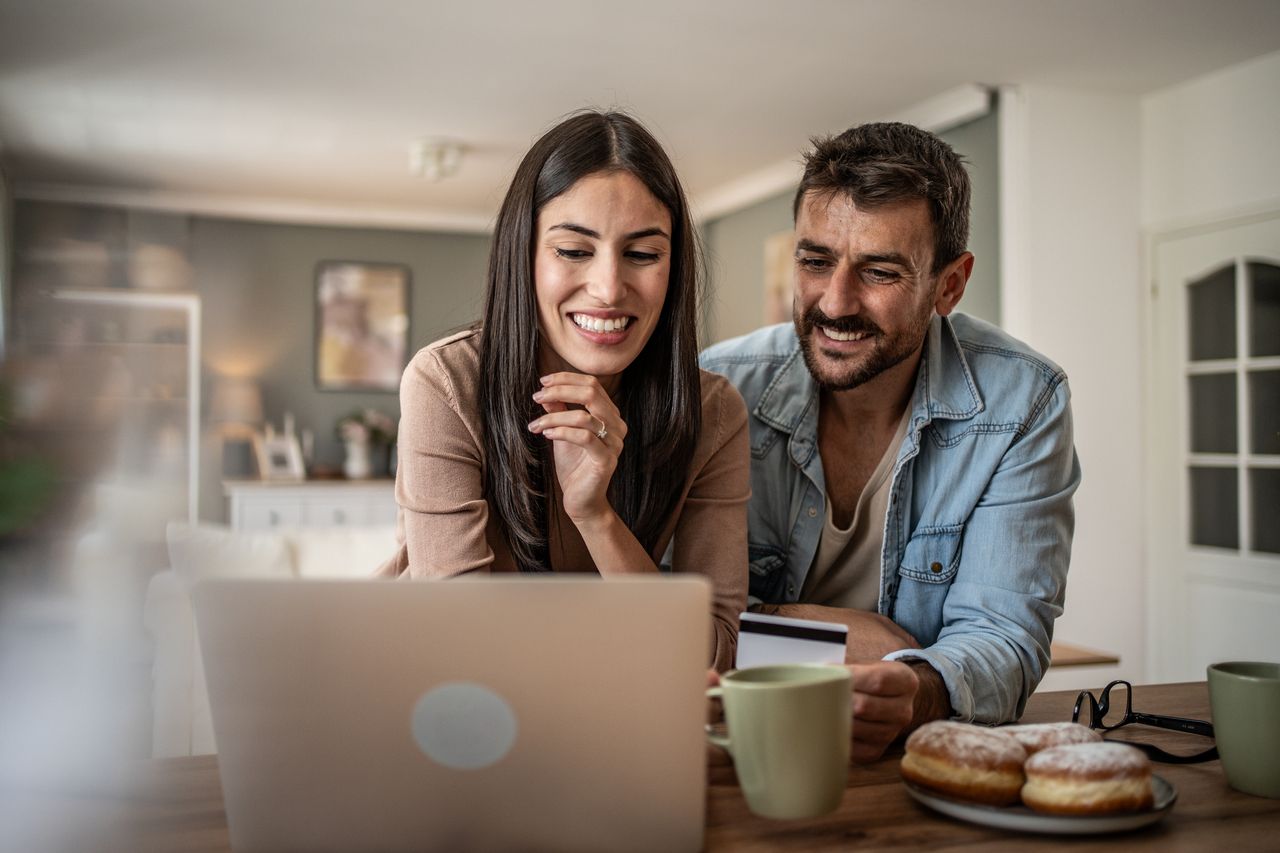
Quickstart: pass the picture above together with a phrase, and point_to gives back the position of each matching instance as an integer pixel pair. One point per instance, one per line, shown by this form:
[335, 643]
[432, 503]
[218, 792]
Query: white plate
[1024, 819]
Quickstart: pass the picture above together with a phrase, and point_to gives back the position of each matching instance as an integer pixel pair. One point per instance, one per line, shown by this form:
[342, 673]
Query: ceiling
[312, 104]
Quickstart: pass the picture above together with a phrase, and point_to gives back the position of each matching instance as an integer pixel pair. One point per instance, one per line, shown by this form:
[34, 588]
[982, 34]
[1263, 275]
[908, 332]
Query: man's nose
[606, 279]
[841, 295]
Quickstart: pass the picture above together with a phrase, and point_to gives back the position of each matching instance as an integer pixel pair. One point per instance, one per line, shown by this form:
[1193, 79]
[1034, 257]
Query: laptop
[490, 713]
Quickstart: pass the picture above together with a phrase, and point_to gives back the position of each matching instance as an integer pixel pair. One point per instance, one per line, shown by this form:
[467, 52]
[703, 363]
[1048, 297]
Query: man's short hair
[887, 162]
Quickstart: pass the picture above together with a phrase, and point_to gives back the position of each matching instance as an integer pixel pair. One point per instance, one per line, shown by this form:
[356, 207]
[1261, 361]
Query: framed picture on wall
[779, 261]
[362, 325]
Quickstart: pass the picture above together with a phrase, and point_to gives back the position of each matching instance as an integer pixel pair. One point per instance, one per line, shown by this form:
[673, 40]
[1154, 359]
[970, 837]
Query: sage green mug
[1245, 698]
[788, 732]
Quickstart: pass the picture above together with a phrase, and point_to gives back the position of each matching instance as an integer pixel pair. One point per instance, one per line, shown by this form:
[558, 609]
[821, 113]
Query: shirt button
[936, 568]
[813, 512]
[791, 589]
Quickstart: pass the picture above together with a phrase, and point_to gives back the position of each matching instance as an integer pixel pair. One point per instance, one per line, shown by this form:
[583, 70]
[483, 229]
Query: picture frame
[362, 325]
[779, 264]
[279, 457]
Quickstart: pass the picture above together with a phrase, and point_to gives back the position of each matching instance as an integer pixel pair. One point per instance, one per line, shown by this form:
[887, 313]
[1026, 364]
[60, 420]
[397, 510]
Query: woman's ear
[951, 284]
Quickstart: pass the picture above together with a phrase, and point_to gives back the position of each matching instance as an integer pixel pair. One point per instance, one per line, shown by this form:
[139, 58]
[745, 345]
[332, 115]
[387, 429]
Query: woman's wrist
[596, 524]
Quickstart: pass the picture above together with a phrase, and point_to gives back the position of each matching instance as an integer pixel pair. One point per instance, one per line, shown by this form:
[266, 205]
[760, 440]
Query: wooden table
[177, 805]
[1068, 654]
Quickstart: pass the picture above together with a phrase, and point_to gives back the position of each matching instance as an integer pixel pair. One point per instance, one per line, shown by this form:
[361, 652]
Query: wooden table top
[176, 805]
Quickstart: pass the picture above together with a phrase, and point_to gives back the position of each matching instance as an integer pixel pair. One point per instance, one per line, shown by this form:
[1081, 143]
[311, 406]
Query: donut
[972, 763]
[1037, 736]
[1088, 778]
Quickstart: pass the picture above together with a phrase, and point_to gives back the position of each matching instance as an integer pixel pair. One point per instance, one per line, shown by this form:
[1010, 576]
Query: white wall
[1209, 147]
[1072, 290]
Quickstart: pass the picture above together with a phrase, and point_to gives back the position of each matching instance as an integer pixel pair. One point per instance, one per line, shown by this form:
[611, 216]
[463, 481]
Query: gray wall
[6, 256]
[978, 143]
[735, 242]
[735, 266]
[256, 282]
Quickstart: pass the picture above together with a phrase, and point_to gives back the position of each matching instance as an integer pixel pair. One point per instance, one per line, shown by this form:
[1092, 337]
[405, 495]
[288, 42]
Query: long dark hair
[660, 397]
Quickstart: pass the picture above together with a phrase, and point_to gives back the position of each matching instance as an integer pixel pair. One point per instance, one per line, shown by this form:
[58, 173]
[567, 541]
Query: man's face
[864, 294]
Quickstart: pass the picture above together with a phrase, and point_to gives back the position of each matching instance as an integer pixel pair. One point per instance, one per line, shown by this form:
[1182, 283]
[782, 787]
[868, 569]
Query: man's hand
[871, 636]
[884, 696]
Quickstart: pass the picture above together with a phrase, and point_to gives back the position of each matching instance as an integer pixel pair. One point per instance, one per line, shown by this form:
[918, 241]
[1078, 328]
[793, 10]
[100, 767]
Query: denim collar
[944, 389]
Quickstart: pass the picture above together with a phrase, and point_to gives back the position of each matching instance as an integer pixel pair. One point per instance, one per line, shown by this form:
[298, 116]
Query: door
[1214, 457]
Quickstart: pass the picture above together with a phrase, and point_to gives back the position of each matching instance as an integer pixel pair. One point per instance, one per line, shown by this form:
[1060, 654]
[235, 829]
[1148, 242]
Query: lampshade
[237, 404]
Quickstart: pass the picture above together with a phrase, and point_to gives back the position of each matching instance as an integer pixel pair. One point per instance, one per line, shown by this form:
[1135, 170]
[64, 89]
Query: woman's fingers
[577, 420]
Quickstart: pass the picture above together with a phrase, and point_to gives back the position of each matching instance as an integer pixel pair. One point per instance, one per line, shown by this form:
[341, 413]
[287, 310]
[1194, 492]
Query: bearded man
[912, 468]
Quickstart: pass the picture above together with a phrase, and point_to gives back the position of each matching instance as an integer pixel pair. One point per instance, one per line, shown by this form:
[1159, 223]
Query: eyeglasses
[1104, 717]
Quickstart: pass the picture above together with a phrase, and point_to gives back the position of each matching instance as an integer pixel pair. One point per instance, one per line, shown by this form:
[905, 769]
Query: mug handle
[719, 740]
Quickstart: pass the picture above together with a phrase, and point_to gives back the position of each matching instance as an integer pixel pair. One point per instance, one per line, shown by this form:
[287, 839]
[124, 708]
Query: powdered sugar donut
[972, 763]
[1088, 778]
[1037, 736]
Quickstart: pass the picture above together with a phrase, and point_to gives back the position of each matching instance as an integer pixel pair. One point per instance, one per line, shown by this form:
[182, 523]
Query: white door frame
[1166, 599]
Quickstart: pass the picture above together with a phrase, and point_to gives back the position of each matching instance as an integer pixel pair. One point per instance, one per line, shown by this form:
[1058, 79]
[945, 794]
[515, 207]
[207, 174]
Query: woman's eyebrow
[595, 235]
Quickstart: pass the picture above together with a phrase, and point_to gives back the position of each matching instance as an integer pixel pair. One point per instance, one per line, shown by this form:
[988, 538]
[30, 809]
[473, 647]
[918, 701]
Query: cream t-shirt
[846, 569]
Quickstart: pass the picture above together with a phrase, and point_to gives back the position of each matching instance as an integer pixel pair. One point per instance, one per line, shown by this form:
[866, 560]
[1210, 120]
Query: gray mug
[789, 728]
[1245, 698]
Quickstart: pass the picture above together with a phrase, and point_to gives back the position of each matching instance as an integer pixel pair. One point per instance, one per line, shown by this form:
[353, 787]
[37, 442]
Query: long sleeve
[711, 534]
[997, 619]
[439, 481]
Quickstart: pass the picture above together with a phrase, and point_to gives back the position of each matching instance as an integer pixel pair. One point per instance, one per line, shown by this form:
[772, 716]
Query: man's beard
[886, 350]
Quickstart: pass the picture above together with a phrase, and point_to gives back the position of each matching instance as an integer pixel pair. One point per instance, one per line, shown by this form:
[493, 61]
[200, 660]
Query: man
[911, 470]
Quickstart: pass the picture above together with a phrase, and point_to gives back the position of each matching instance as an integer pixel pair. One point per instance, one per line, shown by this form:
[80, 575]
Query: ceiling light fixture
[435, 159]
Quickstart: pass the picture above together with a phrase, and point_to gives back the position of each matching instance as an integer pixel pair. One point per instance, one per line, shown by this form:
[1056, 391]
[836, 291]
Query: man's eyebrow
[803, 245]
[885, 258]
[595, 235]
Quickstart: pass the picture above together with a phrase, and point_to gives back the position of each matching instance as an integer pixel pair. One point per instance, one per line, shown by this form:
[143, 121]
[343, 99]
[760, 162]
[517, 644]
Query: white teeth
[598, 324]
[844, 336]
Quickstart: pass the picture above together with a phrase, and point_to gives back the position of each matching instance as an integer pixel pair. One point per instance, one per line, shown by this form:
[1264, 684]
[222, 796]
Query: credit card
[765, 640]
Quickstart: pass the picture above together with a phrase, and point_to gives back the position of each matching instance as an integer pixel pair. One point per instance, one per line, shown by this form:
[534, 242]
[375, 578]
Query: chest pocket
[932, 554]
[767, 576]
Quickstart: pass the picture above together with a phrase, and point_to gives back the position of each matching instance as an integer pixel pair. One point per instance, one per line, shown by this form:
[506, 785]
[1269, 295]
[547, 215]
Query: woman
[572, 430]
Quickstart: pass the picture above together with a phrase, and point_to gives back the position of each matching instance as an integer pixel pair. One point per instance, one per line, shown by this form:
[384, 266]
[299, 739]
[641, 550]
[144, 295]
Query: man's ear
[951, 284]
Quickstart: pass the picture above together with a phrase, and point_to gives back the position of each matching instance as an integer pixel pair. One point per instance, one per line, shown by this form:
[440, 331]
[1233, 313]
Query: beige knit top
[444, 526]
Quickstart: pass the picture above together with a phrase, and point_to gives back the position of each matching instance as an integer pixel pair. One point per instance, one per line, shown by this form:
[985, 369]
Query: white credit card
[765, 640]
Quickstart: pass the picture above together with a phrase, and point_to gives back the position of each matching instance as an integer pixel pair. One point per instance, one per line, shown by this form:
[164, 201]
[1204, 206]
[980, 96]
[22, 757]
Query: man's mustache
[849, 323]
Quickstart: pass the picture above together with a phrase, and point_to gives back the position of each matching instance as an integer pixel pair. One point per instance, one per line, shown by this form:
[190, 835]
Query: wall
[6, 256]
[257, 287]
[257, 283]
[734, 247]
[1072, 288]
[735, 242]
[1209, 146]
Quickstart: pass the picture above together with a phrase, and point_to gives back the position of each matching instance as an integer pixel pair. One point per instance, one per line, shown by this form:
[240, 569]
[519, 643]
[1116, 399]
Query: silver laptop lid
[474, 714]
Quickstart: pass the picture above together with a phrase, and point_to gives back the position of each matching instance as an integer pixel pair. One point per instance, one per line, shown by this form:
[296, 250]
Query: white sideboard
[263, 505]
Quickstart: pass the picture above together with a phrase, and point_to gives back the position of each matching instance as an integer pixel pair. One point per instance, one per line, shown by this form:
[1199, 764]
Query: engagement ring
[603, 431]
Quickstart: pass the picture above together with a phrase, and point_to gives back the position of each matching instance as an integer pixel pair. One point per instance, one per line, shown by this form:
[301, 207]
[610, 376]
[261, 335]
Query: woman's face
[601, 266]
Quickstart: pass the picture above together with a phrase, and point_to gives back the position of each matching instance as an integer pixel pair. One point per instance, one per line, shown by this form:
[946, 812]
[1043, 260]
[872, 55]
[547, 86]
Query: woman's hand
[586, 442]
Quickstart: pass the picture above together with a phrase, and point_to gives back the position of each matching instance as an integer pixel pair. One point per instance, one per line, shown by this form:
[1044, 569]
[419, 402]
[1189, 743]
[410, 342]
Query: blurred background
[174, 175]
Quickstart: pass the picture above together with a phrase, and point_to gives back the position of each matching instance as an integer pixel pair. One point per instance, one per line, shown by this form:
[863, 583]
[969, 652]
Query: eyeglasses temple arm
[1178, 724]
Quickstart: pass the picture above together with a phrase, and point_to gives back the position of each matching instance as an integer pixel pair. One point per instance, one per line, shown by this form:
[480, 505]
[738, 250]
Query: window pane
[1264, 495]
[1264, 405]
[1215, 517]
[1264, 325]
[1213, 413]
[1211, 307]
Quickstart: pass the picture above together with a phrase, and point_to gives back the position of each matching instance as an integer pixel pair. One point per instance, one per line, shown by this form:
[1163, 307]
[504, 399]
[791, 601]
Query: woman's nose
[605, 281]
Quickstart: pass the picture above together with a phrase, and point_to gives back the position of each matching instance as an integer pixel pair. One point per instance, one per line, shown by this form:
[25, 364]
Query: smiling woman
[571, 429]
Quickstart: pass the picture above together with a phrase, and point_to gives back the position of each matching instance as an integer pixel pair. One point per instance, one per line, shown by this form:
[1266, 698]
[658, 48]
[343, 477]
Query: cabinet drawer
[267, 515]
[333, 513]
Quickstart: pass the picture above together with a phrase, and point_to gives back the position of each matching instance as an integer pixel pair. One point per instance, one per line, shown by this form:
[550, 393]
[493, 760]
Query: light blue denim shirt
[977, 536]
